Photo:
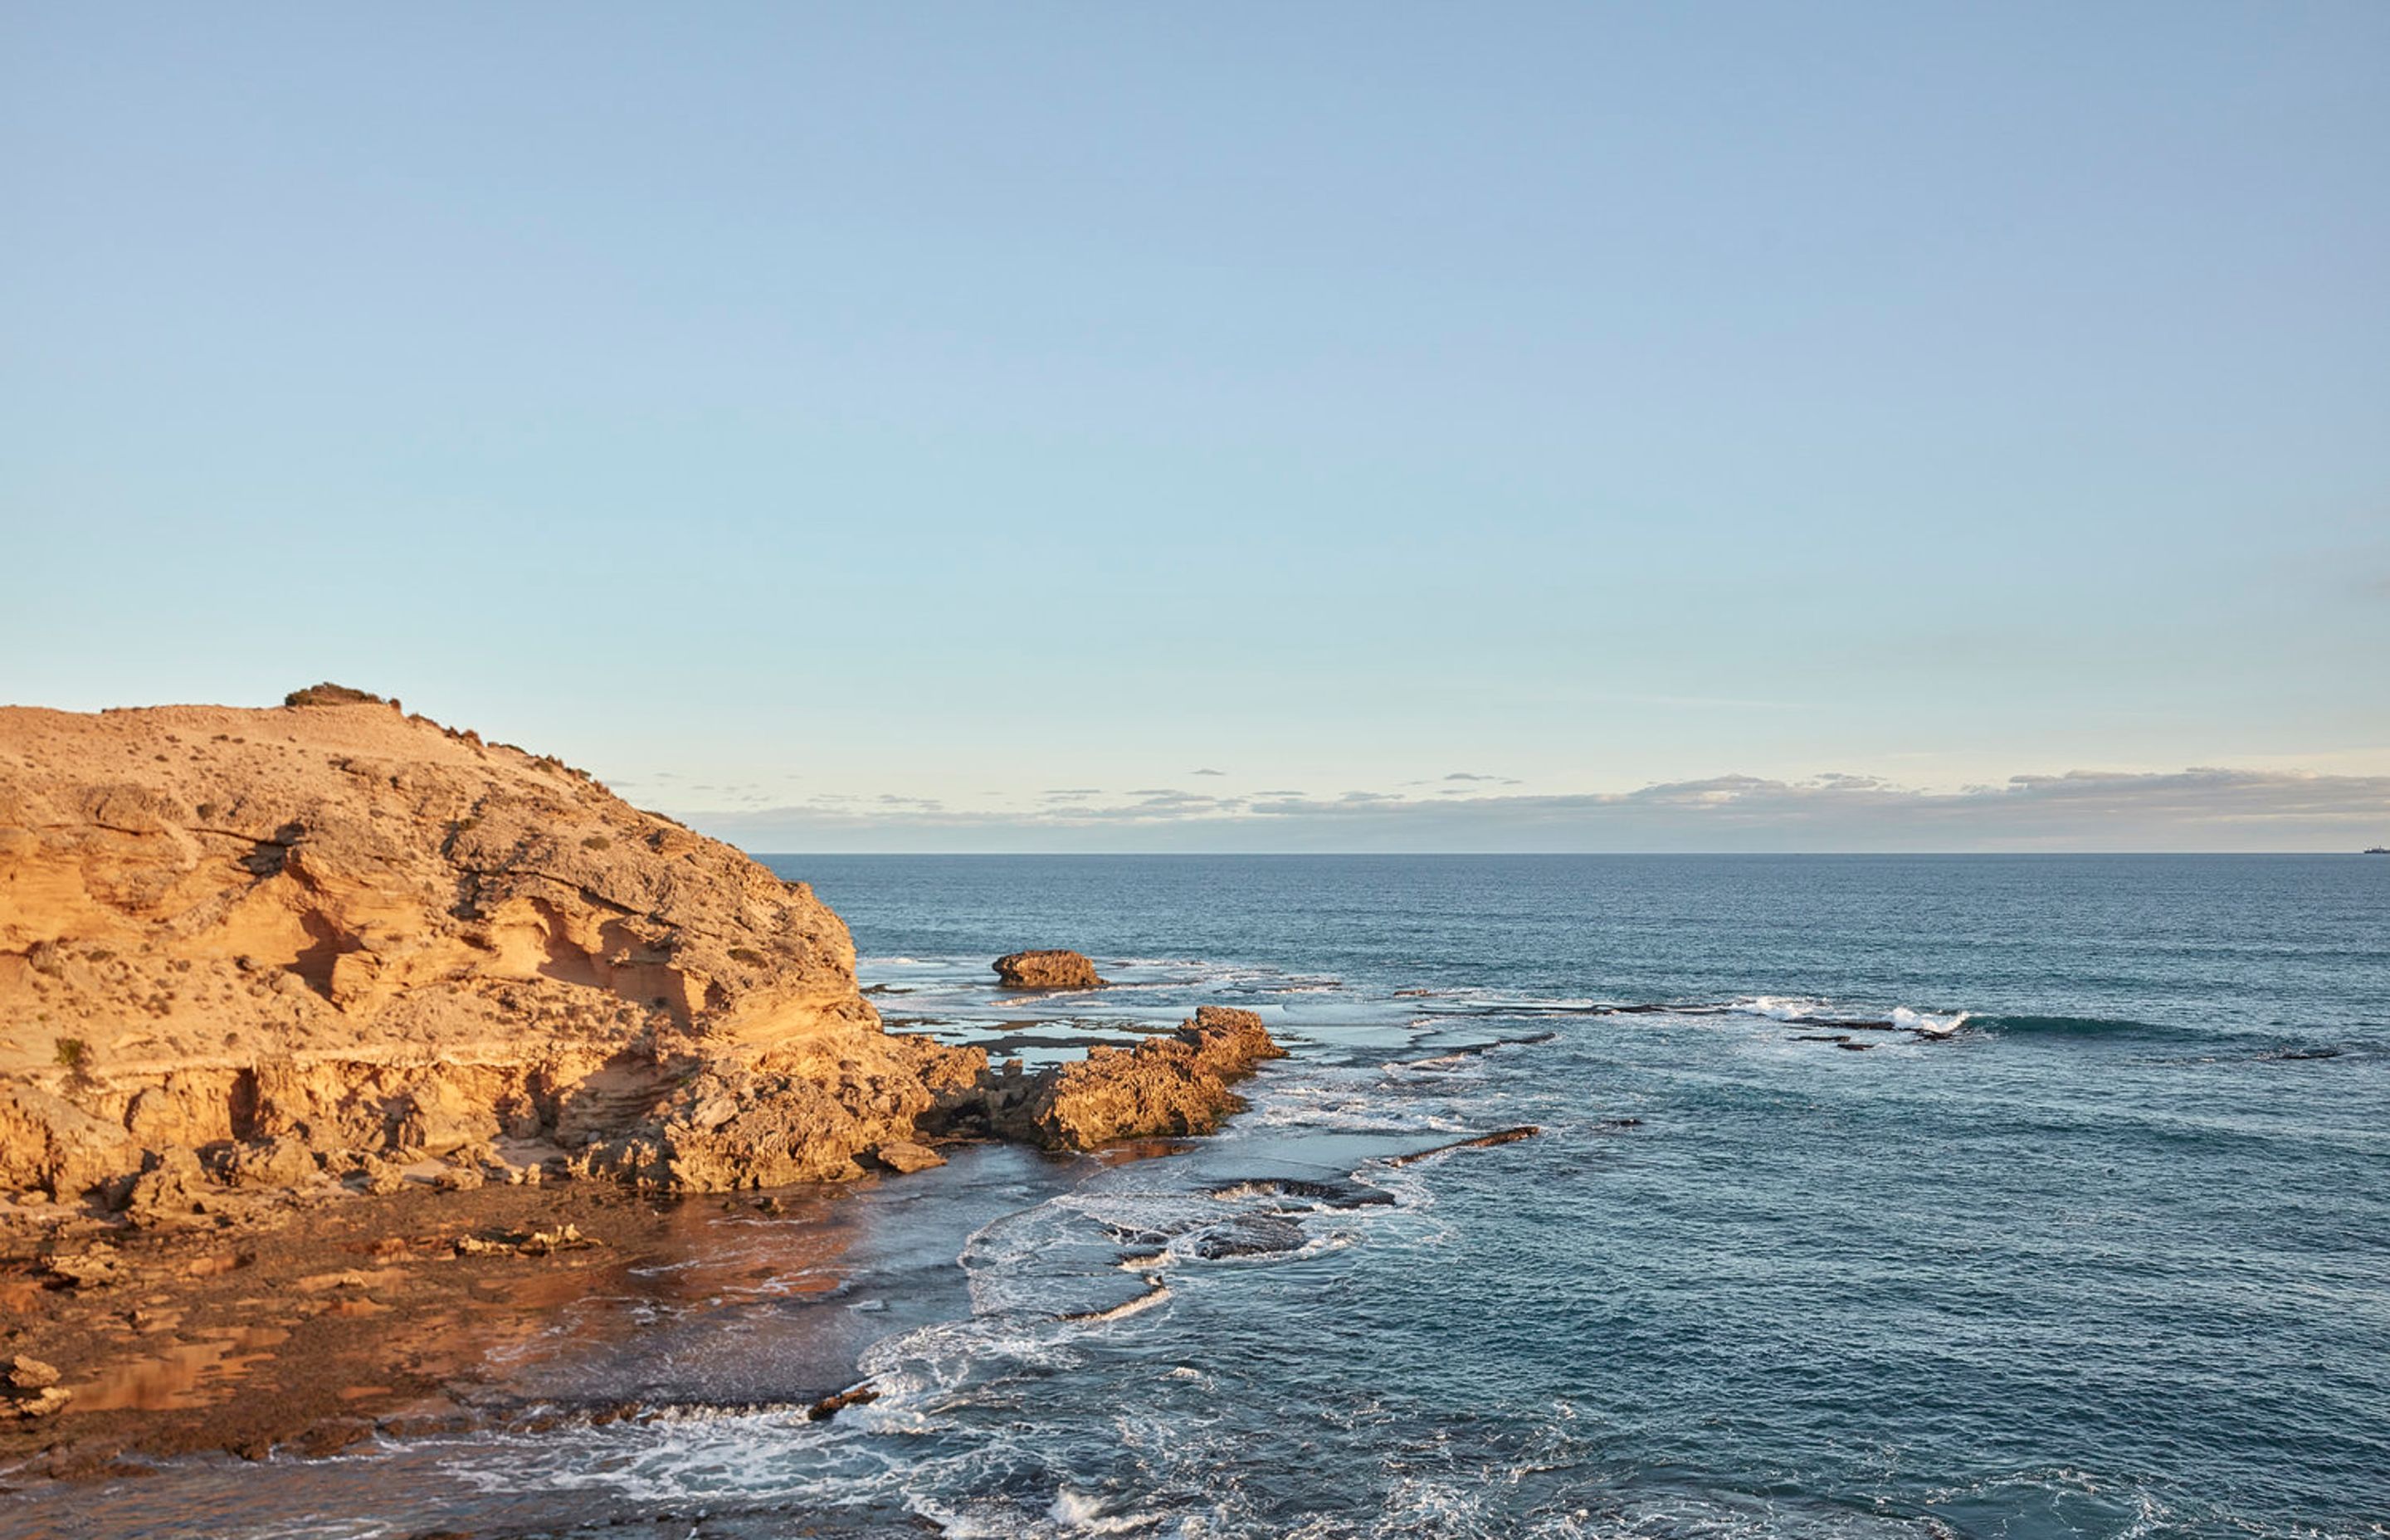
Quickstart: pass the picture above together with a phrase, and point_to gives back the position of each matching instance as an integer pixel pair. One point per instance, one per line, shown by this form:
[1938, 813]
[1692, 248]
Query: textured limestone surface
[243, 947]
[1046, 969]
[1165, 1087]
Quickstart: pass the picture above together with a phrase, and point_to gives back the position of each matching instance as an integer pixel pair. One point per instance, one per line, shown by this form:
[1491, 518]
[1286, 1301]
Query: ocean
[2004, 1197]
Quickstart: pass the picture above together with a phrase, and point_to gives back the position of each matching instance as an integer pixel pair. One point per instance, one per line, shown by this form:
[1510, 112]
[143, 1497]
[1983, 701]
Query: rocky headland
[262, 946]
[257, 963]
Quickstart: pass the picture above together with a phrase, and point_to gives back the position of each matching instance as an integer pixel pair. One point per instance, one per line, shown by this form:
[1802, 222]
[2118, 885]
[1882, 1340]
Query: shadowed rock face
[1046, 970]
[339, 928]
[1170, 1086]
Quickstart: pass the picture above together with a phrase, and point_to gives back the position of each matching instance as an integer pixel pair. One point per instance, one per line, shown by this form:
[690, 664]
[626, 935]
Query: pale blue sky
[777, 409]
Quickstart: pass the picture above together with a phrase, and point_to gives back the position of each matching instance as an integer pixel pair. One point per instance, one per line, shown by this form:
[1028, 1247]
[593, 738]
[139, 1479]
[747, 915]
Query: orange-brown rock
[1048, 970]
[1168, 1085]
[30, 1388]
[336, 928]
[905, 1157]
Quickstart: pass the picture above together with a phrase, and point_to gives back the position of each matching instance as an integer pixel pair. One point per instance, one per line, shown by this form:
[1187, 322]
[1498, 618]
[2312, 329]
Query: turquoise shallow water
[2093, 1238]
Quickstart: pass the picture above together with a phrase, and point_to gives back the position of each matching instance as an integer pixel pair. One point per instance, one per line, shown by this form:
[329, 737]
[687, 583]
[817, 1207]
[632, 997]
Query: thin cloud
[1185, 804]
[1207, 771]
[1469, 779]
[2200, 808]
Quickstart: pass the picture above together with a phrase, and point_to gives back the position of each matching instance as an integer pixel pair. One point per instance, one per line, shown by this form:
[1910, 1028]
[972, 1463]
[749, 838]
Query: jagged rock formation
[1049, 969]
[1168, 1085]
[331, 935]
[30, 1388]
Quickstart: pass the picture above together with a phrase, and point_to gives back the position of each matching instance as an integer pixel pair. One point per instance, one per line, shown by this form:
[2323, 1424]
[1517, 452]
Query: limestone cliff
[355, 932]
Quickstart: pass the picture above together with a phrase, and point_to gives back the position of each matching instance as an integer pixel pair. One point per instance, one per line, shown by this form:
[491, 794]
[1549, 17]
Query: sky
[1237, 426]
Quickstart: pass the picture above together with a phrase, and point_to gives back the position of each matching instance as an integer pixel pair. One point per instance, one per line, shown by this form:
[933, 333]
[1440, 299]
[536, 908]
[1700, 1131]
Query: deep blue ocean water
[2081, 1228]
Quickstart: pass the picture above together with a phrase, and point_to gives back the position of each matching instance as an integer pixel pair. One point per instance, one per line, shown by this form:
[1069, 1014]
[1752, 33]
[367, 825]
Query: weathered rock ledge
[1176, 1084]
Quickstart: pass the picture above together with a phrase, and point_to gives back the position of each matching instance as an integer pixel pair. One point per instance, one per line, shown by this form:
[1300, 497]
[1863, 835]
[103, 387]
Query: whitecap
[1154, 1295]
[1778, 1007]
[1927, 1024]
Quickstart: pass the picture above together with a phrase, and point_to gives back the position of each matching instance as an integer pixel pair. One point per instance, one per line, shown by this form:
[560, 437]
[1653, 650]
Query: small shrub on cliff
[329, 694]
[596, 841]
[550, 762]
[71, 1054]
[747, 955]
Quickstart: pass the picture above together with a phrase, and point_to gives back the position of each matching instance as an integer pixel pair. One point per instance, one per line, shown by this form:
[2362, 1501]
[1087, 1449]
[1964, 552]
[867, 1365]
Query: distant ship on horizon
[2375, 850]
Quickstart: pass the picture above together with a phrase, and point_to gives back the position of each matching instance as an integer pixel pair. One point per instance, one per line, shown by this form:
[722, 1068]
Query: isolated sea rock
[1168, 1085]
[905, 1157]
[1484, 1141]
[1249, 1235]
[1049, 969]
[334, 930]
[831, 1406]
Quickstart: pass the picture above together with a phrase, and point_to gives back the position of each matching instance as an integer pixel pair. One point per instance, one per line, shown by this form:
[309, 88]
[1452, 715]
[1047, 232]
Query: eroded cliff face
[356, 934]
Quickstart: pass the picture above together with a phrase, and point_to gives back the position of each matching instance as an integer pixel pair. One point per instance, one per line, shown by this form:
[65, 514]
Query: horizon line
[1531, 854]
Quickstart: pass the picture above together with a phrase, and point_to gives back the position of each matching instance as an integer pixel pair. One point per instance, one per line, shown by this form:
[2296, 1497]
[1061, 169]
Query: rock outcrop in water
[1168, 1085]
[1049, 969]
[250, 946]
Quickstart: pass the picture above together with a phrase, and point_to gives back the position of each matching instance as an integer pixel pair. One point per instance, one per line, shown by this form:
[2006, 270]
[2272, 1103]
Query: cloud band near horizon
[2197, 809]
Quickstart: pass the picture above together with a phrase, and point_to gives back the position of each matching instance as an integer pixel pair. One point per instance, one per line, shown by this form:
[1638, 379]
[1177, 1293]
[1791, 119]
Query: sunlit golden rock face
[1164, 1086]
[339, 925]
